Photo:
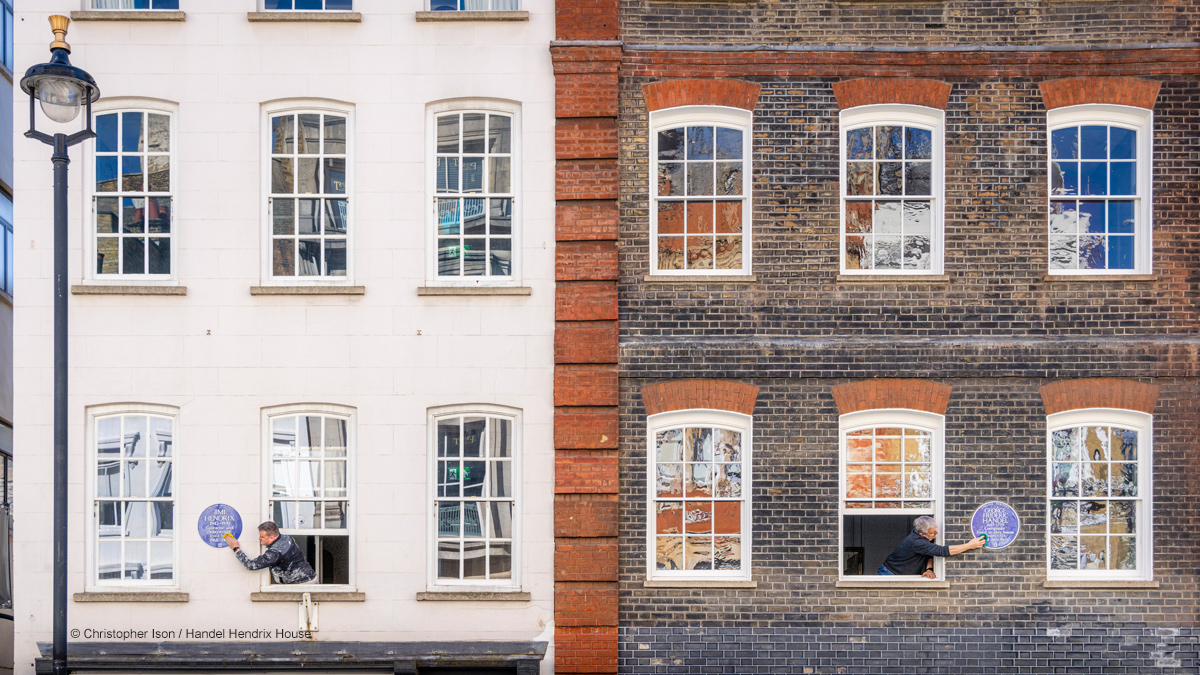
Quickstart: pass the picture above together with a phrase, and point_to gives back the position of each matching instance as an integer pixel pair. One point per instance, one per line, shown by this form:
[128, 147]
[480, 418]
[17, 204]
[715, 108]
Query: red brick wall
[585, 341]
[1099, 392]
[907, 90]
[1131, 91]
[689, 394]
[883, 394]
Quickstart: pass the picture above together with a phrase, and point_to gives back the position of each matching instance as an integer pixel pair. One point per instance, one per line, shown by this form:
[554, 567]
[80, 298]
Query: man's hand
[231, 542]
[977, 542]
[929, 574]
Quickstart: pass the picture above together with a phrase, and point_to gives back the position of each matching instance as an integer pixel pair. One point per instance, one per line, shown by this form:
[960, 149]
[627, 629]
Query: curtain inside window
[114, 4]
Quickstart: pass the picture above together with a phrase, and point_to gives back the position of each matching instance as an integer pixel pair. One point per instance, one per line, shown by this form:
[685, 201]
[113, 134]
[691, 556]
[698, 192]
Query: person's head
[927, 527]
[268, 532]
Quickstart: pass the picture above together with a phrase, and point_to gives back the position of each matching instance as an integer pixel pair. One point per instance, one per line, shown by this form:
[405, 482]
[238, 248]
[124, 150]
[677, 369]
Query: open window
[309, 458]
[890, 475]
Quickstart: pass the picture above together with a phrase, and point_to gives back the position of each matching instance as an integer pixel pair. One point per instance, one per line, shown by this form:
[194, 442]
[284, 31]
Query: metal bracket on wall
[308, 614]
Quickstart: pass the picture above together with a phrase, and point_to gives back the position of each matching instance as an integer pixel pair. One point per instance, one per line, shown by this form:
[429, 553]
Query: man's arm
[977, 542]
[268, 558]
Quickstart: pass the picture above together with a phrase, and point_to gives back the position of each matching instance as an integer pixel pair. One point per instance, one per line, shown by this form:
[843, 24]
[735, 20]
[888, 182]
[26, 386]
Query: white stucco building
[312, 268]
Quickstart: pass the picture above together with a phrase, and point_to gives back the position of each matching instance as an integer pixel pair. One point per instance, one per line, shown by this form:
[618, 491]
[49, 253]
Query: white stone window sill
[308, 290]
[895, 585]
[128, 289]
[473, 15]
[474, 596]
[1092, 278]
[700, 278]
[474, 290]
[893, 278]
[300, 15]
[129, 15]
[131, 596]
[1096, 583]
[699, 583]
[317, 596]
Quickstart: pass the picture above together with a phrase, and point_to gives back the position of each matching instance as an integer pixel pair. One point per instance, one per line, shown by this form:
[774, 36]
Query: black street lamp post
[62, 89]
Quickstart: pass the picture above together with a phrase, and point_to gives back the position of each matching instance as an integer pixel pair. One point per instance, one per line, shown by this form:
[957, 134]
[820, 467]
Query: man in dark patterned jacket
[283, 556]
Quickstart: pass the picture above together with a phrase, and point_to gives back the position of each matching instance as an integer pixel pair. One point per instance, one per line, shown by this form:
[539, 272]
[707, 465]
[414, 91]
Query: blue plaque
[216, 521]
[998, 521]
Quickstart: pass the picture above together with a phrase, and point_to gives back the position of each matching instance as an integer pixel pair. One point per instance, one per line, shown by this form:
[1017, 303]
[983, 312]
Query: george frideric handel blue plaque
[217, 520]
[998, 521]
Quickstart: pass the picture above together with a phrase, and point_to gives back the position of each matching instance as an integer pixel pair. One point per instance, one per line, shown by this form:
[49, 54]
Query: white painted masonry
[221, 355]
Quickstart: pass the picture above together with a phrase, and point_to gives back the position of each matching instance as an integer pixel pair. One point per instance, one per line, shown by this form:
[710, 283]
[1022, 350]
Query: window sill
[6, 298]
[474, 290]
[129, 15]
[699, 583]
[1099, 584]
[98, 289]
[895, 585]
[700, 278]
[317, 596]
[1092, 278]
[893, 278]
[308, 290]
[474, 596]
[131, 596]
[473, 15]
[290, 15]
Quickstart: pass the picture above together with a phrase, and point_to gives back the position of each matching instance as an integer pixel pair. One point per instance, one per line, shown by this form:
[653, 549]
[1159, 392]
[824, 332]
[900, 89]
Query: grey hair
[922, 524]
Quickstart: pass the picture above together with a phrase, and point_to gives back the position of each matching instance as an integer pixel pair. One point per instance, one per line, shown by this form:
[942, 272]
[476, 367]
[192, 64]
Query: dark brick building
[826, 267]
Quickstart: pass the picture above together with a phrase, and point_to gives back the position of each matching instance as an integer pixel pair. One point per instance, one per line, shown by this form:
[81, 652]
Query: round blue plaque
[998, 521]
[216, 521]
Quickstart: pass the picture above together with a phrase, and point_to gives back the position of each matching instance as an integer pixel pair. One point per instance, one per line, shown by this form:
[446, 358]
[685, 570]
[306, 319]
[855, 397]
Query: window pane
[699, 142]
[729, 143]
[283, 215]
[499, 134]
[500, 218]
[106, 133]
[131, 174]
[159, 133]
[447, 131]
[335, 130]
[918, 143]
[131, 132]
[670, 144]
[307, 181]
[335, 175]
[473, 132]
[283, 134]
[281, 175]
[309, 137]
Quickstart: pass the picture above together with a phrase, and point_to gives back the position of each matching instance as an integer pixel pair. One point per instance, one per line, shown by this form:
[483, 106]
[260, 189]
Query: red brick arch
[1099, 392]
[880, 90]
[1132, 91]
[675, 93]
[891, 394]
[693, 394]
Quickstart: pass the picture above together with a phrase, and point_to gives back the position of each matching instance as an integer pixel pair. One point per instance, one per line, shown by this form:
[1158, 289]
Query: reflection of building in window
[1099, 495]
[699, 513]
[331, 5]
[474, 5]
[475, 501]
[6, 53]
[133, 193]
[890, 476]
[135, 4]
[892, 168]
[1099, 189]
[309, 497]
[309, 204]
[134, 499]
[6, 231]
[700, 200]
[6, 520]
[474, 189]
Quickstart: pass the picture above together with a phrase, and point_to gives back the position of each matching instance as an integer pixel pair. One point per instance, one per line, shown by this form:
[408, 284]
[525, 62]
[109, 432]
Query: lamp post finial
[58, 24]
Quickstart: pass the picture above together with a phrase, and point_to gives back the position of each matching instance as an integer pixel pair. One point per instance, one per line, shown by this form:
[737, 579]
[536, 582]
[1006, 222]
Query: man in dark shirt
[915, 554]
[283, 556]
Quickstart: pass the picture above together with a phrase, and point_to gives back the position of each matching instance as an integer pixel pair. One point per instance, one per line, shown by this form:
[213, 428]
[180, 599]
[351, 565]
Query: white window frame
[1141, 422]
[473, 105]
[94, 413]
[1140, 120]
[515, 416]
[315, 106]
[723, 116]
[90, 276]
[883, 418]
[743, 424]
[267, 440]
[931, 119]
